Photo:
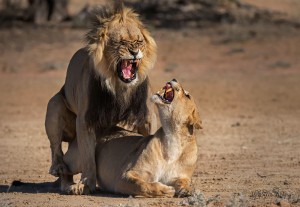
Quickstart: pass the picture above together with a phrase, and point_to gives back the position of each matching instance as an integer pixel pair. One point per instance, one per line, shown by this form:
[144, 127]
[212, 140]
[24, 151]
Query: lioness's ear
[194, 119]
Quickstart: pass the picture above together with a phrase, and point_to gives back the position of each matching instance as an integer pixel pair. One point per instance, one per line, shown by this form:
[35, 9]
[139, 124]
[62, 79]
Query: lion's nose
[174, 80]
[134, 52]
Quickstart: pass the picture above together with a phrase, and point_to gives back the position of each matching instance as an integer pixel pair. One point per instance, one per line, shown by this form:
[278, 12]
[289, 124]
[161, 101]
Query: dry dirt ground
[246, 81]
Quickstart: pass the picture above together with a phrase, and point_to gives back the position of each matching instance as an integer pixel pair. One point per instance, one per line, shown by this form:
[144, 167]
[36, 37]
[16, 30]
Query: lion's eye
[140, 42]
[124, 42]
[115, 42]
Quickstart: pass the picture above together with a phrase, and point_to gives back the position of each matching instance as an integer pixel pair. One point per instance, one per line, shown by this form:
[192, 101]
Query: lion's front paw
[90, 183]
[58, 169]
[78, 189]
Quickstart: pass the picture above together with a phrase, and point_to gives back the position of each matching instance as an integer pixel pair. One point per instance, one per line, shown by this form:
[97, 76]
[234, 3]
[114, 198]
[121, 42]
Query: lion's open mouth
[127, 69]
[166, 94]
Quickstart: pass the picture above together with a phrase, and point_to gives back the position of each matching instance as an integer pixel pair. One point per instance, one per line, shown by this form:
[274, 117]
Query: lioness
[106, 85]
[160, 165]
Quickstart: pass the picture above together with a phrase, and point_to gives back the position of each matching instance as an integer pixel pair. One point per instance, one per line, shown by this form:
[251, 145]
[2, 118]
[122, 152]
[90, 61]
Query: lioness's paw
[183, 192]
[58, 169]
[77, 189]
[160, 190]
[168, 192]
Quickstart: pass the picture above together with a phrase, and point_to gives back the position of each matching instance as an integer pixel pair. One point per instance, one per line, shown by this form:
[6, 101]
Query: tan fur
[155, 166]
[113, 34]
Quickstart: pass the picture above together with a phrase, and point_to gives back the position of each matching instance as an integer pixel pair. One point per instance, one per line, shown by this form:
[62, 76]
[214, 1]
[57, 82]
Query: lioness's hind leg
[58, 122]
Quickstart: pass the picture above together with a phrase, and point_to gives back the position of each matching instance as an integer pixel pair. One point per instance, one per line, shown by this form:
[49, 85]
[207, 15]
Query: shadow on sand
[47, 187]
[23, 187]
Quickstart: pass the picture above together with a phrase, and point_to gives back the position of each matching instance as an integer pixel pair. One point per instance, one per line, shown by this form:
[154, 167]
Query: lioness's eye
[187, 94]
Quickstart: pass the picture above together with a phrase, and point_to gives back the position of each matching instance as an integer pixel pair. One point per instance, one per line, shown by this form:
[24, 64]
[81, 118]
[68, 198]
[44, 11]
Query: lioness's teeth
[170, 89]
[161, 92]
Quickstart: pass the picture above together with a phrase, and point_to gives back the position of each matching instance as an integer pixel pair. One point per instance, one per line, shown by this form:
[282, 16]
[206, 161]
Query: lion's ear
[119, 6]
[194, 119]
[149, 40]
[150, 51]
[96, 47]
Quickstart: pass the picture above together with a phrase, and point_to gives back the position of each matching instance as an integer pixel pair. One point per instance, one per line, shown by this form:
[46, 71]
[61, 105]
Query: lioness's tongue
[169, 94]
[126, 70]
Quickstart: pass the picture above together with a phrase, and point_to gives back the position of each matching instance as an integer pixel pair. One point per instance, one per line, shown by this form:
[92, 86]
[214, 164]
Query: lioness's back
[111, 157]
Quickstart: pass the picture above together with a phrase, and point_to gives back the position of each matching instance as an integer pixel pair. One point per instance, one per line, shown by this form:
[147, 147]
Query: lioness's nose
[174, 80]
[134, 53]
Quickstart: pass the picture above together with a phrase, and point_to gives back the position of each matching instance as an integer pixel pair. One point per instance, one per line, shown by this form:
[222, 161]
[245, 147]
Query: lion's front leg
[72, 160]
[86, 146]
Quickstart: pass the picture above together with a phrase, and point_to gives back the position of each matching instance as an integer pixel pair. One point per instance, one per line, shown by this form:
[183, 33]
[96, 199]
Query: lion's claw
[78, 189]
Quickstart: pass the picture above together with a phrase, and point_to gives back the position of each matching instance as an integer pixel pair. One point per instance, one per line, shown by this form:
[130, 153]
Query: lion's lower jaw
[132, 83]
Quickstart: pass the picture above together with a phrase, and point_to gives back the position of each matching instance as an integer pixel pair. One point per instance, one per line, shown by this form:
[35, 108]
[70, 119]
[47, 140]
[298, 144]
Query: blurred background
[240, 59]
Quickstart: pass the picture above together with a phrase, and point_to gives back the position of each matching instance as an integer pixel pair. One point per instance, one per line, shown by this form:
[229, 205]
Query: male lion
[159, 165]
[106, 84]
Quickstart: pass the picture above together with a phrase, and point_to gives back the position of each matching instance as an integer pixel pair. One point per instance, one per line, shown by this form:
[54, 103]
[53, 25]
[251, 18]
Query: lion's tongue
[126, 70]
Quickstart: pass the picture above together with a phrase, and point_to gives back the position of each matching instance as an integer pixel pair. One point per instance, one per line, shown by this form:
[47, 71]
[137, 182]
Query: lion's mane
[111, 101]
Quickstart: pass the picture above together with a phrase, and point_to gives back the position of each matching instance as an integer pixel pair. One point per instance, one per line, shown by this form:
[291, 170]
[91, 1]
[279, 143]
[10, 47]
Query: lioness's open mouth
[166, 94]
[127, 69]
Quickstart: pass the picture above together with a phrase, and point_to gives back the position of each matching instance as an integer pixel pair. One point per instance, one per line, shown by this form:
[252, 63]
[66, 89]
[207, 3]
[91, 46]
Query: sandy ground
[246, 81]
